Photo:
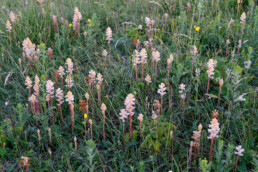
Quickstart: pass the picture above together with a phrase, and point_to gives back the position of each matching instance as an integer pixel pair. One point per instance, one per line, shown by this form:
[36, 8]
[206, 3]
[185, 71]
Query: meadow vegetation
[135, 85]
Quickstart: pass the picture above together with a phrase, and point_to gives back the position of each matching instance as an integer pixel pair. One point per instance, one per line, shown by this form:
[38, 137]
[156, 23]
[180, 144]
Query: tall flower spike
[129, 104]
[123, 115]
[136, 61]
[213, 130]
[238, 152]
[69, 64]
[211, 65]
[103, 109]
[243, 18]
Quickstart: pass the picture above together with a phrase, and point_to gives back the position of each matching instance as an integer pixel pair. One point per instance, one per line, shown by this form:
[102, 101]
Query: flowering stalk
[109, 38]
[211, 65]
[70, 100]
[123, 115]
[87, 96]
[238, 153]
[162, 92]
[59, 95]
[214, 130]
[129, 103]
[103, 109]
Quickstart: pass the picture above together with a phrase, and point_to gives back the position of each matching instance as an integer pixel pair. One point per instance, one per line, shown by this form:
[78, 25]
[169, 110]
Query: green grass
[151, 148]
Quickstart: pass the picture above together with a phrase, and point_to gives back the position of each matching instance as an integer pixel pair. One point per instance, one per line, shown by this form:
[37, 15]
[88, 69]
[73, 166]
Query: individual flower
[59, 95]
[99, 79]
[181, 88]
[211, 65]
[12, 17]
[143, 55]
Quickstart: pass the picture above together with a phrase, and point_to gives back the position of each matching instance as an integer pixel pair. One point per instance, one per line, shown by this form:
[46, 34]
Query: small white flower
[239, 150]
[247, 64]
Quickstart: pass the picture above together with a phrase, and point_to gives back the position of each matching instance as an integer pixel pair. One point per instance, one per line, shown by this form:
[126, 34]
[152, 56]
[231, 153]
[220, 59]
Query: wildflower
[109, 34]
[181, 88]
[89, 20]
[105, 53]
[238, 153]
[197, 28]
[147, 21]
[70, 25]
[143, 55]
[25, 162]
[211, 65]
[8, 26]
[136, 61]
[123, 115]
[50, 88]
[28, 82]
[140, 27]
[243, 18]
[92, 76]
[162, 89]
[69, 81]
[154, 116]
[239, 150]
[59, 95]
[99, 79]
[103, 109]
[85, 116]
[69, 97]
[12, 17]
[148, 79]
[247, 64]
[197, 72]
[69, 64]
[213, 130]
[76, 21]
[130, 106]
[140, 118]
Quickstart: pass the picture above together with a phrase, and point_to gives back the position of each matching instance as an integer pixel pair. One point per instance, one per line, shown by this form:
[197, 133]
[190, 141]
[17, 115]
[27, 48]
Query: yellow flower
[197, 28]
[89, 20]
[43, 77]
[85, 116]
[194, 26]
[70, 25]
[89, 25]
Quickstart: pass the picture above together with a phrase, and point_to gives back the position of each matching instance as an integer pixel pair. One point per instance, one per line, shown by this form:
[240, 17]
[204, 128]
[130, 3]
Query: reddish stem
[236, 162]
[124, 128]
[104, 134]
[61, 113]
[12, 122]
[194, 151]
[136, 72]
[91, 132]
[142, 69]
[211, 149]
[208, 86]
[130, 124]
